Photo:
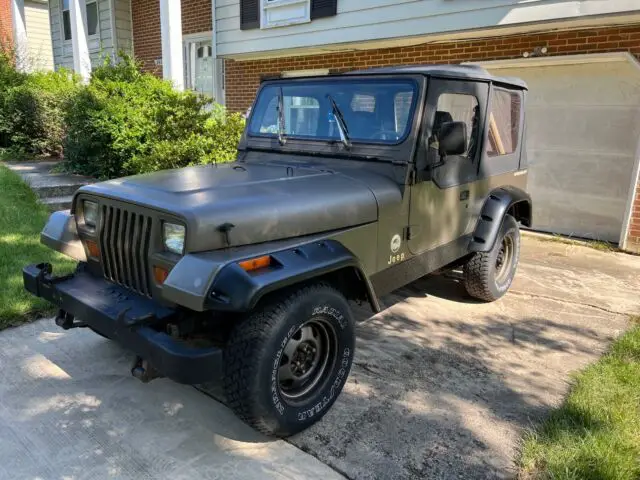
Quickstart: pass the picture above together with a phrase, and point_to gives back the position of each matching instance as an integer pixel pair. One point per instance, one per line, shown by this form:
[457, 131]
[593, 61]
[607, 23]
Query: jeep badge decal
[395, 243]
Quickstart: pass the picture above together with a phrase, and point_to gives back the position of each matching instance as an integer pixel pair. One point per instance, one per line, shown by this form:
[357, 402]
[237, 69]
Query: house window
[280, 13]
[66, 19]
[92, 19]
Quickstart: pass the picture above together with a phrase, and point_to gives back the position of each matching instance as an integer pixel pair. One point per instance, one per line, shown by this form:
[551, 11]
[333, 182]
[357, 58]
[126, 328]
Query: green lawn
[595, 434]
[21, 220]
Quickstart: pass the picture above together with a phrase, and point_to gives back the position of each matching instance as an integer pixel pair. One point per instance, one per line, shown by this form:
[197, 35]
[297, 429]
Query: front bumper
[124, 316]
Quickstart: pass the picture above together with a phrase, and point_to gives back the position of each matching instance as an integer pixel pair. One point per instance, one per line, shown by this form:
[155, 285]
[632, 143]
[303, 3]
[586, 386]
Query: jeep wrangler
[345, 187]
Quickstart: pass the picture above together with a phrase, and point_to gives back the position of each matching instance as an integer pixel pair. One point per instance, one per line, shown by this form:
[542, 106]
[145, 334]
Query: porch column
[21, 50]
[171, 31]
[81, 58]
[218, 63]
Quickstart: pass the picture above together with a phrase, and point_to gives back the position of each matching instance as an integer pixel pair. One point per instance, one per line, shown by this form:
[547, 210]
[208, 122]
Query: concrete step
[55, 185]
[58, 203]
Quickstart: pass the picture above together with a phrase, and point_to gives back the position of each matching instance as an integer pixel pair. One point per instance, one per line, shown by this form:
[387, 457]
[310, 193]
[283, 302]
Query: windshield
[373, 110]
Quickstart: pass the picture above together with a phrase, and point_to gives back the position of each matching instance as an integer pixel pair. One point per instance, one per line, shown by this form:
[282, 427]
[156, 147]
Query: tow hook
[67, 321]
[143, 370]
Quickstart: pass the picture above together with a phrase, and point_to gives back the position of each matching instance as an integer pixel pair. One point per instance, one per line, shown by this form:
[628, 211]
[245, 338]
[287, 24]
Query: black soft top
[467, 72]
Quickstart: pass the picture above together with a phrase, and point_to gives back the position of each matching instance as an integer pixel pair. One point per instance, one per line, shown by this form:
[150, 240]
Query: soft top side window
[504, 122]
[457, 107]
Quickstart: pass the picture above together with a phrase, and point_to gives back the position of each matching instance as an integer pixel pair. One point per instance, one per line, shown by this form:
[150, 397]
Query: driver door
[443, 195]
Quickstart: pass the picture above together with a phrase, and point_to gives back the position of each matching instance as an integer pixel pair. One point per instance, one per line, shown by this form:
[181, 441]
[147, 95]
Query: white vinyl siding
[124, 37]
[40, 53]
[99, 45]
[368, 20]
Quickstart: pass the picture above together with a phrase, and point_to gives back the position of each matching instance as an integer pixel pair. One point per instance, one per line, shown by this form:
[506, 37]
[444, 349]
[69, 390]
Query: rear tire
[488, 275]
[286, 364]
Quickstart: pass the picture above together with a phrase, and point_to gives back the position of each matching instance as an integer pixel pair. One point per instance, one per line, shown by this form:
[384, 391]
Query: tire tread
[245, 345]
[477, 270]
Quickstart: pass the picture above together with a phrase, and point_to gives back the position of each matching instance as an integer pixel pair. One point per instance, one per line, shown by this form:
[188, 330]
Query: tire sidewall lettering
[339, 376]
[275, 397]
[306, 414]
[332, 312]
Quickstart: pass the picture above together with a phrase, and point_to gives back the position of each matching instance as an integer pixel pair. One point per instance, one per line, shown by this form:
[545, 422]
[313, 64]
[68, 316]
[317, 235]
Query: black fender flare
[500, 201]
[234, 289]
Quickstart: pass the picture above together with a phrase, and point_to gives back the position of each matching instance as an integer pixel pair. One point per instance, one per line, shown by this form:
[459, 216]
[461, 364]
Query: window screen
[504, 123]
[363, 103]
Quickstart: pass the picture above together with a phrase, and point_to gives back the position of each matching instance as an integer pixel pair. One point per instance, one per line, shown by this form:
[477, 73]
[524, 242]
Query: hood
[262, 202]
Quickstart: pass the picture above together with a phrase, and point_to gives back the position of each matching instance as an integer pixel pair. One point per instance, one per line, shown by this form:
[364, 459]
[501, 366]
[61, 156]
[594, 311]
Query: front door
[441, 202]
[199, 66]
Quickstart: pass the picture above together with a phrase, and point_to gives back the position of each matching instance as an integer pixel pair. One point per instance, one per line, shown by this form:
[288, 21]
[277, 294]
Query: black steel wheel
[308, 356]
[488, 275]
[286, 363]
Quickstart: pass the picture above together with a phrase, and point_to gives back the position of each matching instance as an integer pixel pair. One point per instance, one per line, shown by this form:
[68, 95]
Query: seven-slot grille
[124, 246]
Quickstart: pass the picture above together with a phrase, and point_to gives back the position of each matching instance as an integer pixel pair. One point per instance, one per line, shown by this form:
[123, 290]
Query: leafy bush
[34, 112]
[126, 122]
[9, 78]
[216, 142]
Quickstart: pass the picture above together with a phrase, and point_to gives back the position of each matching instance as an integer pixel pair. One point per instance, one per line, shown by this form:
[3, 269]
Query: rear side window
[504, 123]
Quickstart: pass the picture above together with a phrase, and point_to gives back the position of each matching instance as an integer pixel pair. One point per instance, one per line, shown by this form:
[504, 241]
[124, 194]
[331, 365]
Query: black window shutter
[249, 14]
[323, 8]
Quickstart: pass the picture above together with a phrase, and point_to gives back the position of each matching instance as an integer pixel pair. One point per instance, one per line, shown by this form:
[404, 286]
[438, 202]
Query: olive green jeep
[345, 187]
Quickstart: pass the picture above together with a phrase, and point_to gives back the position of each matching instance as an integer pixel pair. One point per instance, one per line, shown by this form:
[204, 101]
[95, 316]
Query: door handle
[464, 195]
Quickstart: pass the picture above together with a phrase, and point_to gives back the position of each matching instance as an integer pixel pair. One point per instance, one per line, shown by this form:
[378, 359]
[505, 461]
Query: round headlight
[173, 237]
[90, 210]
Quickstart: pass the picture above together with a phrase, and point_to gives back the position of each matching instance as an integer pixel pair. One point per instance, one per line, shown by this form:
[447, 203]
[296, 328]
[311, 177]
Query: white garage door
[583, 128]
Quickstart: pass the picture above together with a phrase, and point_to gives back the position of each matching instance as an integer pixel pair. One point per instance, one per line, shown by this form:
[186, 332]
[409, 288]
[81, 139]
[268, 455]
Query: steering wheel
[385, 135]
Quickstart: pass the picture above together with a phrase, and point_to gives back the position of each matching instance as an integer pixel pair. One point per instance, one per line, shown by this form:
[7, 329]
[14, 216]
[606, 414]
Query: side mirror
[452, 137]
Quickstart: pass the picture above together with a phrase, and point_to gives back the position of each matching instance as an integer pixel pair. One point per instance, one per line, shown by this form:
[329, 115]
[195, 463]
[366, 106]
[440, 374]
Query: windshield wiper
[281, 127]
[342, 125]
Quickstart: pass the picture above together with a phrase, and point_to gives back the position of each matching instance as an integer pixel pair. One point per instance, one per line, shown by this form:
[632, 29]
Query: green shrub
[215, 142]
[124, 68]
[126, 122]
[9, 78]
[34, 112]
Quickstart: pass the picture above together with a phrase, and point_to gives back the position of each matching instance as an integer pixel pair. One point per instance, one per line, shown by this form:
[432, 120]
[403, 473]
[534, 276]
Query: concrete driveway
[441, 387]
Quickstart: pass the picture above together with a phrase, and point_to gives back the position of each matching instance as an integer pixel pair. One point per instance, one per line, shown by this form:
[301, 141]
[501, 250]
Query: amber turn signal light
[255, 263]
[160, 274]
[92, 246]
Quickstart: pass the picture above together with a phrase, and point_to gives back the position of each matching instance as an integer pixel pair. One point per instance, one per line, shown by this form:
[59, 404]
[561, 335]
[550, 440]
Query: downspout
[217, 63]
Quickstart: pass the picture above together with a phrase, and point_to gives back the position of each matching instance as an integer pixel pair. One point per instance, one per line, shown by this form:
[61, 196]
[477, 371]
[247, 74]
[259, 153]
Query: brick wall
[147, 43]
[6, 27]
[243, 77]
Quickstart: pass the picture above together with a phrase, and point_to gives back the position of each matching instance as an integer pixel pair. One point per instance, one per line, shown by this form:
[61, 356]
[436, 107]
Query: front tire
[286, 364]
[488, 275]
